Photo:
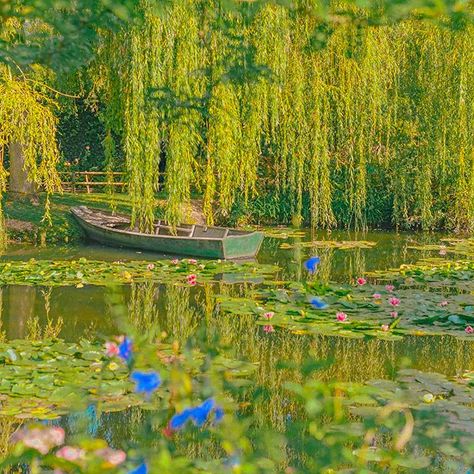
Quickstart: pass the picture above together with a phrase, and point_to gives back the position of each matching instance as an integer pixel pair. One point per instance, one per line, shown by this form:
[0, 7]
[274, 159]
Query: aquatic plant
[328, 426]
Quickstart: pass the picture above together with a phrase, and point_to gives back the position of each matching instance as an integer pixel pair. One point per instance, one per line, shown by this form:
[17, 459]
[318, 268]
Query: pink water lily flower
[268, 328]
[389, 288]
[111, 349]
[192, 261]
[341, 316]
[361, 281]
[192, 279]
[376, 296]
[394, 314]
[150, 266]
[385, 327]
[469, 330]
[394, 301]
[43, 439]
[70, 453]
[175, 261]
[112, 456]
[442, 250]
[269, 315]
[444, 303]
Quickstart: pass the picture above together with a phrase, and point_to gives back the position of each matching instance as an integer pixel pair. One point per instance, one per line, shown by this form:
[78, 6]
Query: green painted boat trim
[192, 240]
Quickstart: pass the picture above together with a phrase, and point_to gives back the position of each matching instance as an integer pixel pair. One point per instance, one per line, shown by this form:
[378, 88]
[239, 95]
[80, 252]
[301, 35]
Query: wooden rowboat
[192, 240]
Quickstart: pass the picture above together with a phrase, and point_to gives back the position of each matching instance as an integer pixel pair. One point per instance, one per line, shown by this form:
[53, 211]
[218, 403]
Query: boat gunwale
[158, 236]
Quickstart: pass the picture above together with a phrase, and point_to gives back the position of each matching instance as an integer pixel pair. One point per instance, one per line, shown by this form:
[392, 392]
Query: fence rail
[86, 181]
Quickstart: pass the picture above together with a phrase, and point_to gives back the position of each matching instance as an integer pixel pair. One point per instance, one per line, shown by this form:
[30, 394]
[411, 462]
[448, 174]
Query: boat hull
[232, 247]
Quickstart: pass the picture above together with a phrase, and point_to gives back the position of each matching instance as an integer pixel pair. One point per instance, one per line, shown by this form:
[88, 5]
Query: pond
[180, 311]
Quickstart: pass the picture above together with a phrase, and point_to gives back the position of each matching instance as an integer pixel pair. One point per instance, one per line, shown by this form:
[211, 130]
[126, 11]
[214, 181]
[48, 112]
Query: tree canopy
[344, 111]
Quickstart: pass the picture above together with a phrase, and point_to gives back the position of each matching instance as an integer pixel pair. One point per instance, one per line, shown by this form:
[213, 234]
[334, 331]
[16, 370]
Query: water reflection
[180, 311]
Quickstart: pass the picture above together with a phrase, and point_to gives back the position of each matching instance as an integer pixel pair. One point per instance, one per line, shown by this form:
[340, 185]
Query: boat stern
[243, 246]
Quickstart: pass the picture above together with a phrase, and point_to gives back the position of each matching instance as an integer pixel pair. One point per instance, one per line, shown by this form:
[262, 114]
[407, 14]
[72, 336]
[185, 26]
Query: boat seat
[179, 231]
[210, 232]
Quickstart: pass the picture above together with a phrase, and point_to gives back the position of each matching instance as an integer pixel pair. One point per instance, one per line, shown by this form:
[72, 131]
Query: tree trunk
[19, 183]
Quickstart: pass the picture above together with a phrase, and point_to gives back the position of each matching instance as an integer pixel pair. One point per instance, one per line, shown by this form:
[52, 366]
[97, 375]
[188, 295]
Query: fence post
[86, 175]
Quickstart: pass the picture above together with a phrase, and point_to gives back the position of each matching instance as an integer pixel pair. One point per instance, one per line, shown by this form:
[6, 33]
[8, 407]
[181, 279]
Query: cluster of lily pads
[434, 298]
[46, 443]
[412, 300]
[388, 424]
[83, 272]
[47, 379]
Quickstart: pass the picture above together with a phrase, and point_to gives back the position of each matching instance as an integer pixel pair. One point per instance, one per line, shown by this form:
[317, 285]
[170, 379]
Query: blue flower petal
[219, 414]
[200, 413]
[318, 304]
[180, 419]
[125, 349]
[312, 263]
[146, 382]
[141, 469]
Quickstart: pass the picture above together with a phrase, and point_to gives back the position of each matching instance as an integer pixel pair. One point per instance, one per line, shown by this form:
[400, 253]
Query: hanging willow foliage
[27, 121]
[26, 118]
[364, 122]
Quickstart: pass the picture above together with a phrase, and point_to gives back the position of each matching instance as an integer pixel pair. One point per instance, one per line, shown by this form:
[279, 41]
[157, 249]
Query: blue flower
[146, 382]
[317, 303]
[311, 264]
[219, 414]
[141, 469]
[180, 419]
[125, 349]
[200, 413]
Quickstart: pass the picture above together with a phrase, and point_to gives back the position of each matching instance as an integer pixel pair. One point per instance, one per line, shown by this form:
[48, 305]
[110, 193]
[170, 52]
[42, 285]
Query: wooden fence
[92, 181]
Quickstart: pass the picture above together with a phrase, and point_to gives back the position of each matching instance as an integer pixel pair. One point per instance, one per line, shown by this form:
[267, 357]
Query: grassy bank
[25, 219]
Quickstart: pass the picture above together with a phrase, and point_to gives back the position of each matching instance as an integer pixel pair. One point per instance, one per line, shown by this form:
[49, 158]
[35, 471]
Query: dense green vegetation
[349, 124]
[334, 351]
[334, 116]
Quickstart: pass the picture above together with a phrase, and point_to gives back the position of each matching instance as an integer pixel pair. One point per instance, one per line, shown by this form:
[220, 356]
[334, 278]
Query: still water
[87, 313]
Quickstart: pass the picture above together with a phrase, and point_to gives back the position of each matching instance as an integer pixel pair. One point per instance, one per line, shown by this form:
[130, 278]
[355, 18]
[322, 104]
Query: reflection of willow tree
[181, 318]
[353, 360]
[154, 308]
[142, 308]
[7, 427]
[51, 329]
[21, 309]
[181, 310]
[354, 265]
[324, 271]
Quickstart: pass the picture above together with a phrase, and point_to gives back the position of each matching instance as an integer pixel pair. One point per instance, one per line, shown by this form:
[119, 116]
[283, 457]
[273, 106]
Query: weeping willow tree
[27, 129]
[348, 123]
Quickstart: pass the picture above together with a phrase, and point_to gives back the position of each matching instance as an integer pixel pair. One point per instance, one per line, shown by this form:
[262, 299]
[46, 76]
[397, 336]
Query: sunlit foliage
[27, 118]
[240, 101]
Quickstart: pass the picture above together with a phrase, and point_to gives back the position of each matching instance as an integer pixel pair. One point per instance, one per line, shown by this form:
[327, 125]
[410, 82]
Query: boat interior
[184, 230]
